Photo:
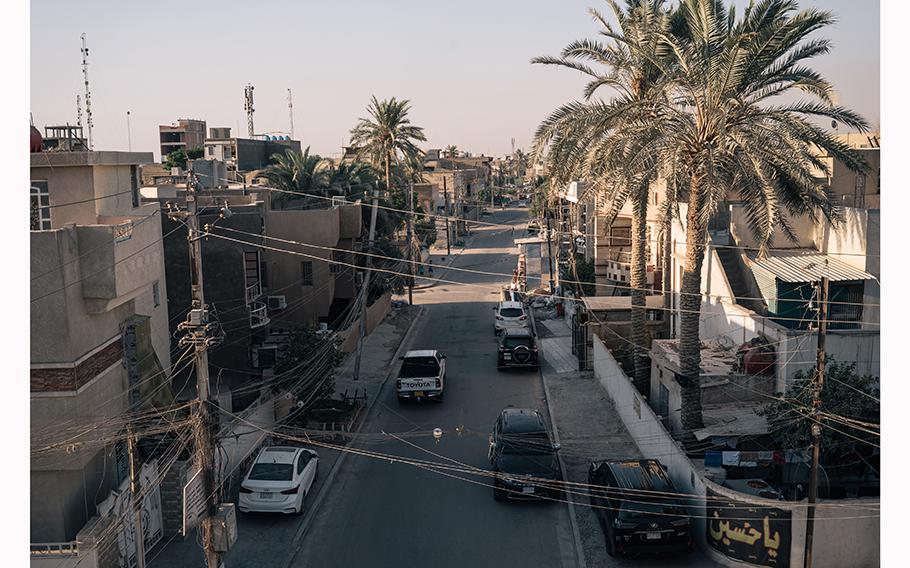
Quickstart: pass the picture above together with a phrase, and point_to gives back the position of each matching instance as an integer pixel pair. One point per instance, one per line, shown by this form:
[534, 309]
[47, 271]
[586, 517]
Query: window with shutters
[306, 273]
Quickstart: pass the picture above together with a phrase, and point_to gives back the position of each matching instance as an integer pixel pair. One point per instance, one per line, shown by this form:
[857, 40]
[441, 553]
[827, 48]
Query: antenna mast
[291, 112]
[79, 110]
[248, 107]
[88, 94]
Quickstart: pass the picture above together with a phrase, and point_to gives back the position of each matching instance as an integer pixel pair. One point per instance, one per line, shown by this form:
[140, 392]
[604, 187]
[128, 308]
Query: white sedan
[279, 480]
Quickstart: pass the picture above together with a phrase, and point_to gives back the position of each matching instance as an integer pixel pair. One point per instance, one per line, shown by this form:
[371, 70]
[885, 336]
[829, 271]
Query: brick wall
[73, 378]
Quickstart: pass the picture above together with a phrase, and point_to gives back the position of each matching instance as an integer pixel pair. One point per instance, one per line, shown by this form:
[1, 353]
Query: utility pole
[550, 251]
[365, 291]
[816, 427]
[139, 534]
[410, 248]
[445, 190]
[198, 328]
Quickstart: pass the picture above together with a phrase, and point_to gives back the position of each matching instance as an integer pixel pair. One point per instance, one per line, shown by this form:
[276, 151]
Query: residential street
[383, 514]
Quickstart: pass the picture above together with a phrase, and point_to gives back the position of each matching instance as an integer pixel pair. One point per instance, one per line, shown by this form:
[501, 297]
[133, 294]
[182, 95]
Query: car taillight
[398, 385]
[500, 318]
[245, 490]
[522, 318]
[438, 383]
[291, 491]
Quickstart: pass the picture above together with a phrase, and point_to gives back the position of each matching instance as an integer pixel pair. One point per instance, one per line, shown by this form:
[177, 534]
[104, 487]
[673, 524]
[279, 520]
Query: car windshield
[651, 510]
[531, 443]
[511, 312]
[419, 367]
[272, 472]
[512, 342]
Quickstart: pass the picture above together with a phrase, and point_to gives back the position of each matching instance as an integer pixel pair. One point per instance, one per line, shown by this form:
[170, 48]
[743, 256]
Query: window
[134, 184]
[40, 206]
[156, 294]
[306, 273]
[264, 274]
[302, 461]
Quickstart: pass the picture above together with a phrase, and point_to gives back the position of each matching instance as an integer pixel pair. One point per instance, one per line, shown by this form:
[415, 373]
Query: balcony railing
[54, 549]
[253, 291]
[259, 315]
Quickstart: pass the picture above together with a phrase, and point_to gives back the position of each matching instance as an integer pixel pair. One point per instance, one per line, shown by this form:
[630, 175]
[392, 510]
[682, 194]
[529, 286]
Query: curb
[573, 520]
[326, 485]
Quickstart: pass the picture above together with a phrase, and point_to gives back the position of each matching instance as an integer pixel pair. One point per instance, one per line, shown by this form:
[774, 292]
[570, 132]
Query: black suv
[635, 505]
[523, 457]
[517, 348]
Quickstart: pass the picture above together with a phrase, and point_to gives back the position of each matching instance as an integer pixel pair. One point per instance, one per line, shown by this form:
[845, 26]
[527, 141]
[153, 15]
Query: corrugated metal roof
[802, 265]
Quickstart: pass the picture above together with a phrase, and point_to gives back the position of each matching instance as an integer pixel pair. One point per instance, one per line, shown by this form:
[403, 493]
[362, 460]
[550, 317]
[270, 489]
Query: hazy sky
[464, 65]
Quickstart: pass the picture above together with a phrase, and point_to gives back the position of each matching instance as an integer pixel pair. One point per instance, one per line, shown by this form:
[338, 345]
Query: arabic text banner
[744, 531]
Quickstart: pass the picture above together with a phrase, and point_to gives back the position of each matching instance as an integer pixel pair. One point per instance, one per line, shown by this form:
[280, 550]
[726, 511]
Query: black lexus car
[524, 457]
[517, 348]
[635, 503]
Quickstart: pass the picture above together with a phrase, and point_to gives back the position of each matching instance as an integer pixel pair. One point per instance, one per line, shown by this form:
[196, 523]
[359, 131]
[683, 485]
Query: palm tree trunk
[690, 305]
[637, 280]
[388, 177]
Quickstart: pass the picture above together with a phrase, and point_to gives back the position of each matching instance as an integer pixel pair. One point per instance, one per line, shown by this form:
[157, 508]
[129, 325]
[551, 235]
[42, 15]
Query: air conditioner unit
[277, 302]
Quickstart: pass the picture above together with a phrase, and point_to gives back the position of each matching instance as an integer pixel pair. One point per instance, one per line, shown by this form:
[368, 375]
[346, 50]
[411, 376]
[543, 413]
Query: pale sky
[464, 65]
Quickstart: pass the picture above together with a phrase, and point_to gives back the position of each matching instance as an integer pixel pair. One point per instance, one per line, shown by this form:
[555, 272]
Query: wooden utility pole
[365, 290]
[139, 534]
[410, 248]
[445, 189]
[198, 328]
[816, 427]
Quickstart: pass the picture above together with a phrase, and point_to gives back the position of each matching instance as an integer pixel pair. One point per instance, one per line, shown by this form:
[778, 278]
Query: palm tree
[582, 139]
[451, 151]
[731, 132]
[345, 177]
[298, 172]
[520, 162]
[387, 135]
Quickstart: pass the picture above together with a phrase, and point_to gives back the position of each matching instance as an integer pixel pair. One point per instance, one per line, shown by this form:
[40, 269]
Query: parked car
[509, 315]
[422, 375]
[517, 348]
[279, 480]
[523, 455]
[633, 501]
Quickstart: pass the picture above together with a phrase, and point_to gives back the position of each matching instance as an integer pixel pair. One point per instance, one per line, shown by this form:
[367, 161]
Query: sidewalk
[589, 429]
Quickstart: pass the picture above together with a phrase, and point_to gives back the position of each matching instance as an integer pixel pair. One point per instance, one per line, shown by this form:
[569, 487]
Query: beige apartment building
[185, 134]
[99, 338]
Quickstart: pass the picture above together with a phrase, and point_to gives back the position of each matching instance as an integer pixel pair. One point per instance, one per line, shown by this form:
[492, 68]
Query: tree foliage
[386, 137]
[845, 394]
[178, 158]
[308, 362]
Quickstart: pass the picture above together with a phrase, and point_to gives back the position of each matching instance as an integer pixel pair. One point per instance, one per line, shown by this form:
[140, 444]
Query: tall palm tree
[451, 151]
[520, 161]
[731, 131]
[583, 141]
[298, 172]
[387, 135]
[348, 177]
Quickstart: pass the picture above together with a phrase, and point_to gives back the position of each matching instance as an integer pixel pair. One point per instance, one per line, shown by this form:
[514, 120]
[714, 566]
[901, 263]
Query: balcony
[259, 315]
[253, 292]
[119, 261]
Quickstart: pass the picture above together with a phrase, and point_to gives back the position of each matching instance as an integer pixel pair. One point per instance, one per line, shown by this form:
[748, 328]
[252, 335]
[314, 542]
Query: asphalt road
[384, 514]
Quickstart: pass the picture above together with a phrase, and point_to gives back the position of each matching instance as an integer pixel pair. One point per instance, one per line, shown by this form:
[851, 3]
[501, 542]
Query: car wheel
[611, 541]
[439, 398]
[498, 494]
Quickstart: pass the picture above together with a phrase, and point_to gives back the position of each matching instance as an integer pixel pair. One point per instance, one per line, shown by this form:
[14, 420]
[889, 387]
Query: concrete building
[185, 134]
[851, 189]
[98, 333]
[245, 154]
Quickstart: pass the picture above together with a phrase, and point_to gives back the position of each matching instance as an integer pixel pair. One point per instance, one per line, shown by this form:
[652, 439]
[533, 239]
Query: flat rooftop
[715, 359]
[731, 419]
[607, 303]
[96, 158]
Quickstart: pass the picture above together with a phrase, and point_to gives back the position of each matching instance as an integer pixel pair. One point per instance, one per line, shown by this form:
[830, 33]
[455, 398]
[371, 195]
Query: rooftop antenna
[291, 112]
[79, 110]
[129, 134]
[248, 107]
[88, 94]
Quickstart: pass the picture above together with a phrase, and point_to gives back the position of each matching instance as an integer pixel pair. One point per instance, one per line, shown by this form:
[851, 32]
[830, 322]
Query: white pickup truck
[422, 375]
